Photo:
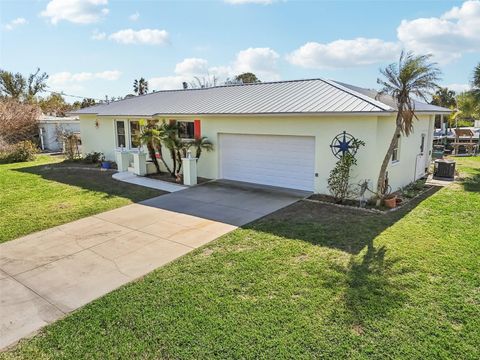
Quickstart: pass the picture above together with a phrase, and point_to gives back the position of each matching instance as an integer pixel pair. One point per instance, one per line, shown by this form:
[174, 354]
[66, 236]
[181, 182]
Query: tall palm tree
[413, 76]
[140, 87]
[202, 144]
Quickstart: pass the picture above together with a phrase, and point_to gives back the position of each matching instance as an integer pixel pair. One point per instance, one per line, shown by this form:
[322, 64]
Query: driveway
[45, 275]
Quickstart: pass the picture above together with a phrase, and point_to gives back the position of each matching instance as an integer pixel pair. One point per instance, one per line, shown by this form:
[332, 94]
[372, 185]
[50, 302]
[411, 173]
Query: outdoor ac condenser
[444, 169]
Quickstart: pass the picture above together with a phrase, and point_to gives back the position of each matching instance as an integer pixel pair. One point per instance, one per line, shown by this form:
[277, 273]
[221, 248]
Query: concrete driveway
[45, 275]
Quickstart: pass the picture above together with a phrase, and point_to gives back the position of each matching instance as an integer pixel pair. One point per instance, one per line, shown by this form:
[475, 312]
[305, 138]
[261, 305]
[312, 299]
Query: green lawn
[311, 281]
[40, 194]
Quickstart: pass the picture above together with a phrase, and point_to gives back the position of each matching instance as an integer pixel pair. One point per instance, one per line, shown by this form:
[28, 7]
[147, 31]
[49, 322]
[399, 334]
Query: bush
[18, 121]
[19, 152]
[93, 157]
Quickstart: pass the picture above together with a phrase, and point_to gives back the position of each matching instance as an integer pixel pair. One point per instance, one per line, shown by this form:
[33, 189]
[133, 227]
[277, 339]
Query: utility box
[444, 169]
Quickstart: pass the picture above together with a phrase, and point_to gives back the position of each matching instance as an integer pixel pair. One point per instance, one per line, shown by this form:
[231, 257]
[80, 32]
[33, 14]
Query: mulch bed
[402, 199]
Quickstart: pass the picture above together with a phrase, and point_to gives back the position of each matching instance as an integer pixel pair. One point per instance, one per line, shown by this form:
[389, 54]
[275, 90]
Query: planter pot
[106, 165]
[390, 202]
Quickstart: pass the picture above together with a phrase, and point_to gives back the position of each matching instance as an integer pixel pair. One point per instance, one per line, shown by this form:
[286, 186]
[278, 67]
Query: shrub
[94, 157]
[18, 121]
[19, 152]
[339, 178]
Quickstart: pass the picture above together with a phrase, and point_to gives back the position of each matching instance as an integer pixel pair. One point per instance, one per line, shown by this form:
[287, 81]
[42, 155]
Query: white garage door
[285, 161]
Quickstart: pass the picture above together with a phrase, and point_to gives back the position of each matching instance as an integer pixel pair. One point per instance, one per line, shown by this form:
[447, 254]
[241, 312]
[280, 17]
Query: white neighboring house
[49, 128]
[276, 133]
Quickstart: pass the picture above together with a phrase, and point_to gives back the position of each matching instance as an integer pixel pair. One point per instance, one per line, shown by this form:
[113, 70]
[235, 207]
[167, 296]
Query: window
[134, 134]
[121, 134]
[422, 144]
[396, 151]
[186, 130]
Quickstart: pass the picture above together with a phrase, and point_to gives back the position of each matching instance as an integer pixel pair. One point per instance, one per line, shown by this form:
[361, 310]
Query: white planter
[140, 164]
[123, 160]
[189, 171]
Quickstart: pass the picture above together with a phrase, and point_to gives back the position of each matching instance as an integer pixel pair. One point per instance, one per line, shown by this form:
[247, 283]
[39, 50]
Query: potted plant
[390, 201]
[105, 164]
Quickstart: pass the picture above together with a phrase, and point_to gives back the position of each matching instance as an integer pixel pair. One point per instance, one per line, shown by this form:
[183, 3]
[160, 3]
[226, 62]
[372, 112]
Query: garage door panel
[286, 161]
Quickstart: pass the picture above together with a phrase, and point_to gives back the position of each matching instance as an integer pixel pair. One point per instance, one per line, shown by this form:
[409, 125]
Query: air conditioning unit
[444, 169]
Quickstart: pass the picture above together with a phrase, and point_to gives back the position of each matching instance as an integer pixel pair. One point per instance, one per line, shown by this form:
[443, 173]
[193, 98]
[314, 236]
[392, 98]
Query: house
[275, 133]
[49, 128]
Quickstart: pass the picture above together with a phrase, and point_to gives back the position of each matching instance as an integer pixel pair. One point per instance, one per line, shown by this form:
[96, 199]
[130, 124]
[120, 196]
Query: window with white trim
[422, 144]
[186, 129]
[120, 133]
[396, 151]
[134, 134]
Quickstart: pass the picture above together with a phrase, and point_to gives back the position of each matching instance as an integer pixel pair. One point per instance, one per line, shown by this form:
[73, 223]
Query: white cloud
[241, 2]
[144, 36]
[96, 35]
[15, 23]
[448, 36]
[134, 17]
[68, 78]
[168, 82]
[192, 66]
[260, 61]
[458, 88]
[75, 11]
[344, 53]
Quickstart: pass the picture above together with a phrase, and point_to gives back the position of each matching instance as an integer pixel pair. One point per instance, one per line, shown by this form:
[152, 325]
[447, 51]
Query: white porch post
[140, 163]
[122, 158]
[189, 170]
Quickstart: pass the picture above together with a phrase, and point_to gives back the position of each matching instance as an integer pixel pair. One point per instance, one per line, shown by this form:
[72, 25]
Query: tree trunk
[386, 161]
[174, 160]
[151, 151]
[179, 160]
[163, 160]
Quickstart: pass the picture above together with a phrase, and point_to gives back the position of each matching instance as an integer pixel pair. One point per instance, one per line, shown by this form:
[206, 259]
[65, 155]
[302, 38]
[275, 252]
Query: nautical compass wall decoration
[342, 144]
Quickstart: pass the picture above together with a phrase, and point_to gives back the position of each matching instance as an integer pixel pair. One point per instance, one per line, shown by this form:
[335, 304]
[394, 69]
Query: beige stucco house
[276, 133]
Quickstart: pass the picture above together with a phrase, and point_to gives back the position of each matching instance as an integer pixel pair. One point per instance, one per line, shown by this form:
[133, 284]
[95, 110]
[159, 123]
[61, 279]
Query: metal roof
[314, 96]
[388, 100]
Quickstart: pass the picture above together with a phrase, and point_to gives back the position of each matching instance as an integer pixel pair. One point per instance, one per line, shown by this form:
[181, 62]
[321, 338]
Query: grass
[310, 281]
[40, 194]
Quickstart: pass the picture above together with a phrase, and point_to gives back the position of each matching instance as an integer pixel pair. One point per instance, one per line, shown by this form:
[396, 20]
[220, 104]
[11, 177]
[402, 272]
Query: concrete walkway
[45, 275]
[128, 177]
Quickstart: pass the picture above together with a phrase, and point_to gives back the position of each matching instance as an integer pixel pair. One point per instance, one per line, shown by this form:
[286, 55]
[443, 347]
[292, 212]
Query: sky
[93, 48]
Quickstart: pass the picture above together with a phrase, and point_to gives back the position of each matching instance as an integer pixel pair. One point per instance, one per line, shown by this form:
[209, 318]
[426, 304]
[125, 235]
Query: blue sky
[98, 47]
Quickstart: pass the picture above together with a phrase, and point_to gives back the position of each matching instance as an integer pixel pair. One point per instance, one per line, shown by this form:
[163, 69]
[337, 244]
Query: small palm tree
[169, 136]
[140, 87]
[150, 136]
[202, 144]
[413, 76]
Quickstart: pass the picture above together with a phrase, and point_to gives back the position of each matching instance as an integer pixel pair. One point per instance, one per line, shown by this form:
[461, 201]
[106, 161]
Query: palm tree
[152, 137]
[169, 137]
[140, 87]
[200, 144]
[468, 108]
[476, 82]
[413, 76]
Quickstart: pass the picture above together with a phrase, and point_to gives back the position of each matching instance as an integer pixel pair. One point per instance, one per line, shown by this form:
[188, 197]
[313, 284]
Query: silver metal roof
[315, 96]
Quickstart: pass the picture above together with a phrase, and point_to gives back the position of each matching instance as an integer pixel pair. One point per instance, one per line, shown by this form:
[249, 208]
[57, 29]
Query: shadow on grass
[90, 179]
[341, 228]
[471, 183]
[374, 283]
